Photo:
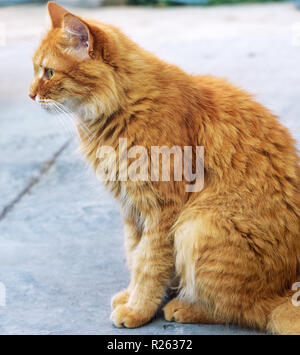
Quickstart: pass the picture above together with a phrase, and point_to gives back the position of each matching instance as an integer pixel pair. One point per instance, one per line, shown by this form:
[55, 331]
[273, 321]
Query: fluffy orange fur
[234, 246]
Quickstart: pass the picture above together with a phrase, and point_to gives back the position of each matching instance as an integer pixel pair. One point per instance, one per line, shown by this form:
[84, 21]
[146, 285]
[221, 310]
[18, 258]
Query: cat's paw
[126, 317]
[183, 312]
[174, 311]
[119, 299]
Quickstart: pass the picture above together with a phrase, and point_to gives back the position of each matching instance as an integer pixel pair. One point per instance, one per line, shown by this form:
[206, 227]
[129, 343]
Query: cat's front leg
[152, 266]
[132, 238]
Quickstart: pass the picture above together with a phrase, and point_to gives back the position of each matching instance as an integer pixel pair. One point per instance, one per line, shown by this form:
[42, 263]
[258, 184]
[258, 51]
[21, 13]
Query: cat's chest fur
[138, 198]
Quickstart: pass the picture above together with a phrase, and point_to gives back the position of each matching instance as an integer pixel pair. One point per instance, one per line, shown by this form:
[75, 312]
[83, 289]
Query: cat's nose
[32, 96]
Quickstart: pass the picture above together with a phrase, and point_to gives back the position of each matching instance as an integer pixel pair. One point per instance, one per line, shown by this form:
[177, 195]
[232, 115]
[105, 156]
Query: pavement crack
[36, 179]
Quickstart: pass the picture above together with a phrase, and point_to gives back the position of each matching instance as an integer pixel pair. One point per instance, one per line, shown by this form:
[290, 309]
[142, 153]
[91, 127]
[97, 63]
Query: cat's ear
[56, 13]
[75, 30]
[79, 35]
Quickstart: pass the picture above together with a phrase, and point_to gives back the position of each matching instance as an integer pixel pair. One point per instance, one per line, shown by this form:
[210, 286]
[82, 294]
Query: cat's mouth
[50, 106]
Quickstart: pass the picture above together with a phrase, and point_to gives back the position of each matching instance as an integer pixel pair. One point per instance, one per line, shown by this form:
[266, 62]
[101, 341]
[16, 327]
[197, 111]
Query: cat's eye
[49, 73]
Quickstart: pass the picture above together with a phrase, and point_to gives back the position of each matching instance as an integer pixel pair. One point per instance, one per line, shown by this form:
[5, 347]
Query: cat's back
[239, 116]
[255, 147]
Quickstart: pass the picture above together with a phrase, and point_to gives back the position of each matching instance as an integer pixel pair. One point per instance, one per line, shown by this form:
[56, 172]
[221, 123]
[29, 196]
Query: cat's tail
[285, 318]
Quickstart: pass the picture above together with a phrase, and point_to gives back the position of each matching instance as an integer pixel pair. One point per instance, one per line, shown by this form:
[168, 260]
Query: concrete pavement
[61, 251]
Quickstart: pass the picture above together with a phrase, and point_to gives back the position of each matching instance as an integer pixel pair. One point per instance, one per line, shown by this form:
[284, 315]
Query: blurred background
[97, 3]
[61, 236]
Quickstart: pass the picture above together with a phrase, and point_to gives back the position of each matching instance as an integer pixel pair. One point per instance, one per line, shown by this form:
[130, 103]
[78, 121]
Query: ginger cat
[234, 246]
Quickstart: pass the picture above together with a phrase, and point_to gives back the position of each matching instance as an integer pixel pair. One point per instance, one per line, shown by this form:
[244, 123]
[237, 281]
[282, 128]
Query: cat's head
[76, 65]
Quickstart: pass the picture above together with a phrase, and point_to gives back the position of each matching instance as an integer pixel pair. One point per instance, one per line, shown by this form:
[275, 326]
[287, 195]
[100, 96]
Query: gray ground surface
[61, 251]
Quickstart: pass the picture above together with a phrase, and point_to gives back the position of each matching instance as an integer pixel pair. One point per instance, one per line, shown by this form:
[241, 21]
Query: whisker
[63, 119]
[70, 115]
[64, 114]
